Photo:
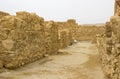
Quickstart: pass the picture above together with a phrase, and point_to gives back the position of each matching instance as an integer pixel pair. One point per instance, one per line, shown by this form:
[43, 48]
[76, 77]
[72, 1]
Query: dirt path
[79, 61]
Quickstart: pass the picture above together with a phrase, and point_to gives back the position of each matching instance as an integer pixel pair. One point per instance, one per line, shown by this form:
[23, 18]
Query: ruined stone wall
[2, 14]
[65, 33]
[22, 39]
[109, 46]
[26, 37]
[51, 37]
[117, 8]
[109, 50]
[88, 33]
[64, 38]
[71, 23]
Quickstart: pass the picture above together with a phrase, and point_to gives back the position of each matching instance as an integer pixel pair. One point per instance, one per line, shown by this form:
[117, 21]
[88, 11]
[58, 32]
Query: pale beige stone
[8, 44]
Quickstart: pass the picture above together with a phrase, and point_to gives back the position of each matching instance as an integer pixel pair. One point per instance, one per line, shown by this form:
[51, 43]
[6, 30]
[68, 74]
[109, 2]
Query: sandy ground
[79, 61]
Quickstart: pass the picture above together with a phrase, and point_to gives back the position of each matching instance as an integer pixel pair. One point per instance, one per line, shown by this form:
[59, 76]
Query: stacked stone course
[26, 37]
[89, 32]
[109, 46]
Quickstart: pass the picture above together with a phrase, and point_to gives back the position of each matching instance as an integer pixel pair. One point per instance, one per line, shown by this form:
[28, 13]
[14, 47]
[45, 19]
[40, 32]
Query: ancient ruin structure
[26, 37]
[109, 45]
[66, 32]
[117, 8]
[22, 39]
[2, 14]
[89, 32]
[51, 37]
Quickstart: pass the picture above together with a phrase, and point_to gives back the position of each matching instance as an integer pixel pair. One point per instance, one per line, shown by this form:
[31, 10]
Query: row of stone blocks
[109, 48]
[26, 37]
[89, 32]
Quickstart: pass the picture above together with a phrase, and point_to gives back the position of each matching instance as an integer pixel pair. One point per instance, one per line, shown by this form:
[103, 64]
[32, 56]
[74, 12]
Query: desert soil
[79, 61]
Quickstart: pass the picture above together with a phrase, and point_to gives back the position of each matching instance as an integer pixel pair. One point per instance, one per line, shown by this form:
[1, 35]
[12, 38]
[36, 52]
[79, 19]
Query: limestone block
[8, 22]
[2, 14]
[1, 64]
[109, 41]
[8, 44]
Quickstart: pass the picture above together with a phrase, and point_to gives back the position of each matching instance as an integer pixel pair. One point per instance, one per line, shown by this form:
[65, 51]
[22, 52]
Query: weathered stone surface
[51, 37]
[110, 57]
[73, 26]
[66, 33]
[1, 64]
[22, 39]
[8, 44]
[88, 32]
[117, 8]
[2, 14]
[26, 37]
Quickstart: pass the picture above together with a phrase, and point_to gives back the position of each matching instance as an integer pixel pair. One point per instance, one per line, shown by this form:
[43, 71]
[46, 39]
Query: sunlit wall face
[84, 11]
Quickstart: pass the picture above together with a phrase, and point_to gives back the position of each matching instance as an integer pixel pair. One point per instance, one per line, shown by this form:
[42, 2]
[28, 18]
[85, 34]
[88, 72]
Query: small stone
[8, 44]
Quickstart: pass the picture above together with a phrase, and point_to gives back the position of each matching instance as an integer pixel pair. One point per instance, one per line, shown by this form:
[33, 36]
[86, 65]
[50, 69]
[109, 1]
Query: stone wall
[64, 38]
[109, 51]
[117, 8]
[22, 39]
[51, 37]
[2, 14]
[109, 46]
[26, 37]
[88, 32]
[73, 26]
[66, 33]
